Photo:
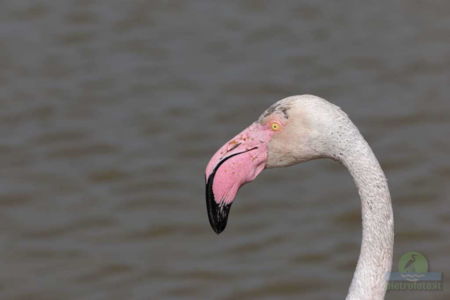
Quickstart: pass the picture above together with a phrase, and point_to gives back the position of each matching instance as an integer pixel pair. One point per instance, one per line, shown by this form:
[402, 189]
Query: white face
[302, 136]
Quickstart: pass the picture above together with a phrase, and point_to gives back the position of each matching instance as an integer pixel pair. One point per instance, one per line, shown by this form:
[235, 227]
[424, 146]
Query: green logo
[413, 274]
[413, 262]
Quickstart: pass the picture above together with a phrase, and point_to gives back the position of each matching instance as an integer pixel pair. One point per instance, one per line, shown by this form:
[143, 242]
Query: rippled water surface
[110, 110]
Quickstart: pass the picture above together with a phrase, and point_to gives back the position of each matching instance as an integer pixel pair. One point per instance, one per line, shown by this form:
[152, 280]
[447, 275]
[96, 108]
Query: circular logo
[413, 262]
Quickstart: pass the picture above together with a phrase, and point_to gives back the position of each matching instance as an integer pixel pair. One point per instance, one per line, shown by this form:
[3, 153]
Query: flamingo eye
[275, 126]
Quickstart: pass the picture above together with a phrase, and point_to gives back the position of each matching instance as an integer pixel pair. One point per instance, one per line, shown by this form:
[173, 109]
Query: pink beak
[237, 162]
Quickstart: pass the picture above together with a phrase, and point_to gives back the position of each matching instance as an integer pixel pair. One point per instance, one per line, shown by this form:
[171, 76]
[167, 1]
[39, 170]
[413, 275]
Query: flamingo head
[280, 137]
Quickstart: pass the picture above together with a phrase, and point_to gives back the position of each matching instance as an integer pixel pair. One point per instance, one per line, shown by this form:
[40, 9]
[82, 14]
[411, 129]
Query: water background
[110, 110]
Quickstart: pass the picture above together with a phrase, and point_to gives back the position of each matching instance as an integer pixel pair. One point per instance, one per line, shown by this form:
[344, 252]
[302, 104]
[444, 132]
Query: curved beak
[237, 162]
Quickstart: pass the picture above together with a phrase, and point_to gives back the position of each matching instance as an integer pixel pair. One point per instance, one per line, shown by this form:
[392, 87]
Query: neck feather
[375, 258]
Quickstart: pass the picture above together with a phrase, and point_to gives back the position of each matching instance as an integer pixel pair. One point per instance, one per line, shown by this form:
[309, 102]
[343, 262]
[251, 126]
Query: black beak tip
[218, 216]
[217, 213]
[218, 228]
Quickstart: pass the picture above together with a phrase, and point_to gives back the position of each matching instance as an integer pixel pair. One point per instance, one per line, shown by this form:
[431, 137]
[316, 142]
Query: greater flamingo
[298, 129]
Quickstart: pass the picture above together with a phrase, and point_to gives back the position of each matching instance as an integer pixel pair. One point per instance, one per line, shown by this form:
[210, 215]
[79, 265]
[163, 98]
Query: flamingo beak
[237, 162]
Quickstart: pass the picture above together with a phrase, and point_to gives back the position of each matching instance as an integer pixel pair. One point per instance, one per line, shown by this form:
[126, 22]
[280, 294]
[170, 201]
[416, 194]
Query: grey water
[110, 110]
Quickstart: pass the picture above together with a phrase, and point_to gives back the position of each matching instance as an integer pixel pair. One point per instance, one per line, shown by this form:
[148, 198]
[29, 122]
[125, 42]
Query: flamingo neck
[375, 258]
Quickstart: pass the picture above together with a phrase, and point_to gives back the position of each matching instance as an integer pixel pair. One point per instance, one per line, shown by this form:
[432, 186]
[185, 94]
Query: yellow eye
[275, 126]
